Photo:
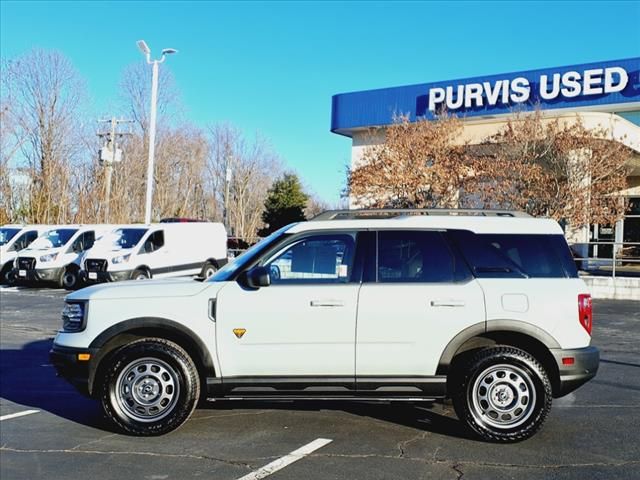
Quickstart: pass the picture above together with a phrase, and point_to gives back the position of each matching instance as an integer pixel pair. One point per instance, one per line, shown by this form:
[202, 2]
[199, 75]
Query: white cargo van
[55, 255]
[138, 252]
[14, 238]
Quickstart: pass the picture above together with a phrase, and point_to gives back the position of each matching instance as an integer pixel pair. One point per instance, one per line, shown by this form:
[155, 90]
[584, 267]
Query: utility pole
[227, 182]
[109, 155]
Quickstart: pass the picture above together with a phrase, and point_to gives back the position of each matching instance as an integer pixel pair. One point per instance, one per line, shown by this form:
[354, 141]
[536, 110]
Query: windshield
[7, 234]
[123, 238]
[231, 268]
[53, 238]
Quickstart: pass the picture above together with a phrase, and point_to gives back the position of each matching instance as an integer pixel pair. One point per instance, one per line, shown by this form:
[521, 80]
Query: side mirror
[258, 277]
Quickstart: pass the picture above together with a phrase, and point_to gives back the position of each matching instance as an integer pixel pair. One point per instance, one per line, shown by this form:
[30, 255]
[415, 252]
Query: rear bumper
[576, 372]
[65, 360]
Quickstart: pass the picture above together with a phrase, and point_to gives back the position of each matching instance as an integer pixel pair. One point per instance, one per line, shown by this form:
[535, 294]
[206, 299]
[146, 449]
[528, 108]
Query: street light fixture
[146, 51]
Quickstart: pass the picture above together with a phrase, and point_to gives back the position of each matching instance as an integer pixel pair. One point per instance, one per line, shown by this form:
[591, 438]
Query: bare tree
[315, 206]
[46, 94]
[11, 141]
[253, 166]
[179, 173]
[47, 148]
[552, 167]
[546, 167]
[135, 94]
[419, 164]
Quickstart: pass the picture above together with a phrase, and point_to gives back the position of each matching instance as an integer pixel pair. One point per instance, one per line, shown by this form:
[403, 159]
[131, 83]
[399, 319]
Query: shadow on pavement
[28, 379]
[407, 414]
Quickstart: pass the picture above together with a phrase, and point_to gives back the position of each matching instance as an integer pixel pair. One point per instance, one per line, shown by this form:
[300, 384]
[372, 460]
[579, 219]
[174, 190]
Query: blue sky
[272, 67]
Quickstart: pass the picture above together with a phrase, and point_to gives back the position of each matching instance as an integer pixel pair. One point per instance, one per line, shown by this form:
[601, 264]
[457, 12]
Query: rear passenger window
[535, 255]
[414, 256]
[516, 255]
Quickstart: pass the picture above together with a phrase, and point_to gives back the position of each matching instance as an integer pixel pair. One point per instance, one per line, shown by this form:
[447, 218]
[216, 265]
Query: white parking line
[282, 462]
[19, 414]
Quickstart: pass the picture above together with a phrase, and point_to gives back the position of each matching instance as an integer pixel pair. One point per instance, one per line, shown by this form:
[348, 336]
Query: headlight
[73, 317]
[49, 258]
[121, 259]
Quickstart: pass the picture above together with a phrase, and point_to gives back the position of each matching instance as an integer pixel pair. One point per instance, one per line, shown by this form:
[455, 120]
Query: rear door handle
[447, 303]
[327, 303]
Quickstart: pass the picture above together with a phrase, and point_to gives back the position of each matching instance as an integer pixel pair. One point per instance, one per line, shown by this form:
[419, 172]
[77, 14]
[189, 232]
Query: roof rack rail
[381, 213]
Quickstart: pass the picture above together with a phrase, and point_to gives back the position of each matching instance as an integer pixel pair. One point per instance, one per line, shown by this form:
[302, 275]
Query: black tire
[165, 387]
[7, 275]
[140, 274]
[69, 279]
[503, 394]
[208, 270]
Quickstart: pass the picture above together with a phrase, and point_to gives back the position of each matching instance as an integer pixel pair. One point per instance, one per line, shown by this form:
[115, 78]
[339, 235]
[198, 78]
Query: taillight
[585, 311]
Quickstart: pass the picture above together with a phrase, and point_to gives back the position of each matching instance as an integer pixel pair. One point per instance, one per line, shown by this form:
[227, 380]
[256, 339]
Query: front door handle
[447, 303]
[327, 303]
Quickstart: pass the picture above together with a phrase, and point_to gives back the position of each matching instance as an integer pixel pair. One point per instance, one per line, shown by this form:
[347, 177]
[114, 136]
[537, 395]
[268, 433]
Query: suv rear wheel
[504, 394]
[151, 387]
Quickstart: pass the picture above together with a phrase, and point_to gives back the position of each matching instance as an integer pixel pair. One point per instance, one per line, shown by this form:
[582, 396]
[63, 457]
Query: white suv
[483, 307]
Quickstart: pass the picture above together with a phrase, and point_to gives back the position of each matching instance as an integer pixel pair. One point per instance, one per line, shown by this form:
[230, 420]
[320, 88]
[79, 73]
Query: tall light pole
[146, 51]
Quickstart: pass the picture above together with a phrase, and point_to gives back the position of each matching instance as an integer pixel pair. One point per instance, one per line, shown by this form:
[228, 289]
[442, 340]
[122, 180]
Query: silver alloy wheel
[503, 397]
[147, 390]
[141, 276]
[209, 271]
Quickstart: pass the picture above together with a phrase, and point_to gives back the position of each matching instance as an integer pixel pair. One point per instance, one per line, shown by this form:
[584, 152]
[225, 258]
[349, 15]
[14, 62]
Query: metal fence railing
[607, 258]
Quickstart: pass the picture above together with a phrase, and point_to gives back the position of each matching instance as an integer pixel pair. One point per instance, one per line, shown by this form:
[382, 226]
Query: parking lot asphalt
[593, 433]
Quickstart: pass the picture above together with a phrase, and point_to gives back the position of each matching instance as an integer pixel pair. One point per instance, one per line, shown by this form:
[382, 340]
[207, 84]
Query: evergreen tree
[285, 204]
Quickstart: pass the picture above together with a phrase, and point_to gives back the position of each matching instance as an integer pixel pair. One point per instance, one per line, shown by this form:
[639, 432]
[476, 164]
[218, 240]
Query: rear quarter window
[516, 255]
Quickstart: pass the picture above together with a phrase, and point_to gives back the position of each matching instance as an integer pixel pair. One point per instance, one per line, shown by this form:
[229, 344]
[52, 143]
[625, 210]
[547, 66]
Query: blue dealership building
[601, 95]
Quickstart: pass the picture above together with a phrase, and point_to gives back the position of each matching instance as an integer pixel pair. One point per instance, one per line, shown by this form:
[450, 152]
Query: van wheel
[7, 276]
[150, 387]
[208, 270]
[69, 279]
[504, 394]
[140, 274]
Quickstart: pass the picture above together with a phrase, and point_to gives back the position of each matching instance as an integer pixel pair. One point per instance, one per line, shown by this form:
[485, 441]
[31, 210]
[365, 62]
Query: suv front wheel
[504, 394]
[151, 387]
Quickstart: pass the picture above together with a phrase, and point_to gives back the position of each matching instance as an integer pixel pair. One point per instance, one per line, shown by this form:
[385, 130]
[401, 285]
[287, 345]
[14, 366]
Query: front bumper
[102, 277]
[38, 274]
[576, 372]
[77, 372]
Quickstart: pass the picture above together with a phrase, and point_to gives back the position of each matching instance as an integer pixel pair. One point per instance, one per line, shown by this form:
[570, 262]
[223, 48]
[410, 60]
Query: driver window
[318, 259]
[154, 242]
[77, 245]
[24, 241]
[89, 239]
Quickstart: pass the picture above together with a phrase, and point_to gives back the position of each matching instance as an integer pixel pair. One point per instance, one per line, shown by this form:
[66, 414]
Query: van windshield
[123, 238]
[7, 234]
[53, 238]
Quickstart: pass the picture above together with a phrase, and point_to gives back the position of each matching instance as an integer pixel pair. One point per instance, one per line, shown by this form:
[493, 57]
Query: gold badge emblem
[239, 332]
